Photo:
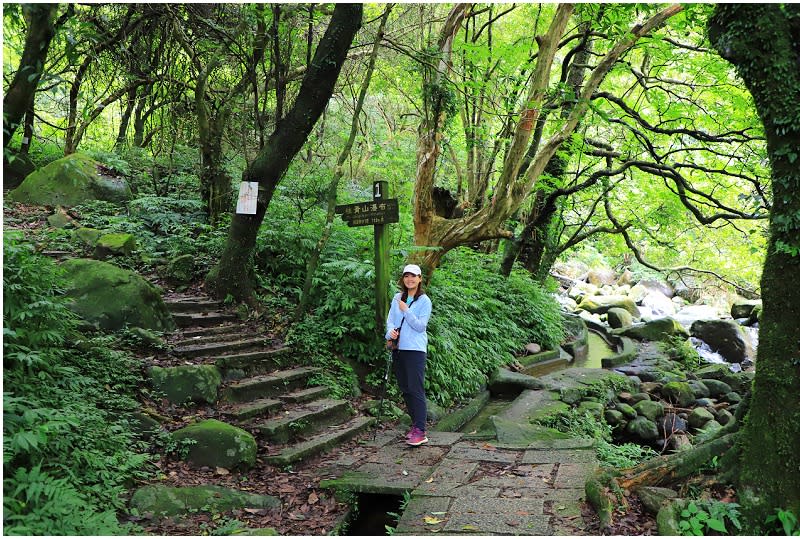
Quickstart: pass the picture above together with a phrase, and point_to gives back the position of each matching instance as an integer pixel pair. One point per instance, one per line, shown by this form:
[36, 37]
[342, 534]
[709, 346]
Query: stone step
[184, 320]
[249, 410]
[216, 348]
[192, 305]
[306, 419]
[254, 361]
[327, 439]
[240, 335]
[267, 385]
[305, 395]
[217, 330]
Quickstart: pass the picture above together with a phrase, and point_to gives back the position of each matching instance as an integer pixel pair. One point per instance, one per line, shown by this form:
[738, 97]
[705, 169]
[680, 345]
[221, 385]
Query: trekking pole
[383, 390]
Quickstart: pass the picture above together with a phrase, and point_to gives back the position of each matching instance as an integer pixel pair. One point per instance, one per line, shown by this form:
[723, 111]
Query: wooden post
[380, 192]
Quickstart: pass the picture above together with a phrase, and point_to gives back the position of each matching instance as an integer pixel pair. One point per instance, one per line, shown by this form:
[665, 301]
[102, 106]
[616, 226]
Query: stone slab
[498, 506]
[413, 519]
[487, 524]
[452, 470]
[525, 476]
[541, 456]
[528, 403]
[482, 452]
[571, 476]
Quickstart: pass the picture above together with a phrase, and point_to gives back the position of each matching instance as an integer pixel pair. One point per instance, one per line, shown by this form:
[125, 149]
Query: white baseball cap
[412, 268]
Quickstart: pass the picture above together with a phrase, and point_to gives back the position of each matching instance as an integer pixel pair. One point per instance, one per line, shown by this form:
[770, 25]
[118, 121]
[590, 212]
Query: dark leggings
[409, 368]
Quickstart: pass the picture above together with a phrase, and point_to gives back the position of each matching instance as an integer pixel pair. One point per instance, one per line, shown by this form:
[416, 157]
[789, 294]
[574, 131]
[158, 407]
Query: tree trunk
[763, 42]
[515, 183]
[20, 94]
[122, 134]
[232, 274]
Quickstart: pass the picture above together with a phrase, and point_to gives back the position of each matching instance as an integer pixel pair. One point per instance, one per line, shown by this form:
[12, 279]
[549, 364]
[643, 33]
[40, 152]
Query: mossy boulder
[649, 409]
[162, 500]
[661, 329]
[114, 244]
[195, 383]
[716, 388]
[594, 408]
[680, 393]
[218, 444]
[619, 318]
[699, 417]
[643, 428]
[739, 381]
[110, 297]
[180, 269]
[506, 382]
[602, 304]
[68, 181]
[743, 308]
[60, 219]
[88, 236]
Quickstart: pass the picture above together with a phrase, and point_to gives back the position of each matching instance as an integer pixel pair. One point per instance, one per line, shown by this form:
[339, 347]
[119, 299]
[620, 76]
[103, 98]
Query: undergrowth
[68, 451]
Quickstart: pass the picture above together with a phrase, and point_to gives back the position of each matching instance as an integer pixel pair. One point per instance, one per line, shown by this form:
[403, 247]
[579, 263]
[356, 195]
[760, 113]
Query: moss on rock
[680, 393]
[69, 181]
[114, 244]
[662, 329]
[161, 500]
[195, 383]
[218, 444]
[110, 297]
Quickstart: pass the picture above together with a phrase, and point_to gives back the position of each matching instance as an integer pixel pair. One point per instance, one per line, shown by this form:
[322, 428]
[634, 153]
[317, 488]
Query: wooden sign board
[375, 212]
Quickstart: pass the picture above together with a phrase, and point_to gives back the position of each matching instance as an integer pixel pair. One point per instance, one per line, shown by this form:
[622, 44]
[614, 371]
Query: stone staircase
[264, 390]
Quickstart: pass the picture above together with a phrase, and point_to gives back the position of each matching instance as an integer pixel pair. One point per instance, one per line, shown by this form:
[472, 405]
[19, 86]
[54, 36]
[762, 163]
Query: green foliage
[783, 522]
[68, 451]
[479, 320]
[583, 424]
[681, 351]
[703, 517]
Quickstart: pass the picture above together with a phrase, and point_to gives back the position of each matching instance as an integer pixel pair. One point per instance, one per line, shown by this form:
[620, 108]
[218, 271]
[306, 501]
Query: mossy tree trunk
[232, 275]
[19, 96]
[763, 42]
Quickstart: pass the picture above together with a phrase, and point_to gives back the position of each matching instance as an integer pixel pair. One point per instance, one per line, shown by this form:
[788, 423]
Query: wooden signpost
[379, 212]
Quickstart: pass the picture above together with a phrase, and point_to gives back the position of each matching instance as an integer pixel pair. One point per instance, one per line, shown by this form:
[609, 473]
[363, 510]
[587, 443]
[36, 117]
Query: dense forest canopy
[666, 163]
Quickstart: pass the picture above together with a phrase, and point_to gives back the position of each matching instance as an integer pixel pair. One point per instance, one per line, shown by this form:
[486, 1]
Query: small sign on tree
[248, 198]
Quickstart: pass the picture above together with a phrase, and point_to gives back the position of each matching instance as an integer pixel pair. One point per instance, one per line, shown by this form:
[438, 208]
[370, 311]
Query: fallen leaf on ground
[313, 498]
[432, 520]
[221, 471]
[429, 480]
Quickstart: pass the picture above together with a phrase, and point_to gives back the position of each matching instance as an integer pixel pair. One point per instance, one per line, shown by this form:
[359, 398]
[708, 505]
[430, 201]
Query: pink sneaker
[411, 432]
[417, 438]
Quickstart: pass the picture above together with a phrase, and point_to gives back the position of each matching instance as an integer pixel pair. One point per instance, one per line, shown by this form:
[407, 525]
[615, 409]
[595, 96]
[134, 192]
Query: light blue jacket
[413, 335]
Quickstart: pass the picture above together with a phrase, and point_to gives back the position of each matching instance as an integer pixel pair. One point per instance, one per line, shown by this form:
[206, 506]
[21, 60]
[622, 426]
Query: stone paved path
[470, 487]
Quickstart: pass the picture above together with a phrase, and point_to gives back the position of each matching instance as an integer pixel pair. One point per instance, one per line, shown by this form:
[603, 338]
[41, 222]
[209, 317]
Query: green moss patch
[195, 383]
[69, 181]
[218, 444]
[161, 500]
[110, 297]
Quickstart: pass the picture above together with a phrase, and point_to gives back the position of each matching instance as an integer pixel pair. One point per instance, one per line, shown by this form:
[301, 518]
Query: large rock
[68, 181]
[162, 500]
[661, 329]
[619, 318]
[649, 409]
[120, 244]
[601, 304]
[679, 393]
[218, 445]
[659, 304]
[187, 383]
[601, 277]
[110, 297]
[643, 428]
[716, 388]
[744, 308]
[658, 286]
[739, 381]
[725, 337]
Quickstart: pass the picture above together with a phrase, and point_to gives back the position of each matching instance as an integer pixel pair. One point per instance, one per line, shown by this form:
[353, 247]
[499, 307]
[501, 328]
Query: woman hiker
[406, 334]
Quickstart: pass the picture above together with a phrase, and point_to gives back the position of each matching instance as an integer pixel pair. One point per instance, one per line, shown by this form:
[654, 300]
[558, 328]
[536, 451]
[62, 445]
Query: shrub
[68, 451]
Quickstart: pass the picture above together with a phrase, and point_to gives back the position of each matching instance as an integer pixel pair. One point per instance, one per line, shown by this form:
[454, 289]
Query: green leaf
[716, 525]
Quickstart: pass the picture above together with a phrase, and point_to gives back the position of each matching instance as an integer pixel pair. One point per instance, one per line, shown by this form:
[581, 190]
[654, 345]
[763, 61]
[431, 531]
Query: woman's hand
[403, 306]
[394, 334]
